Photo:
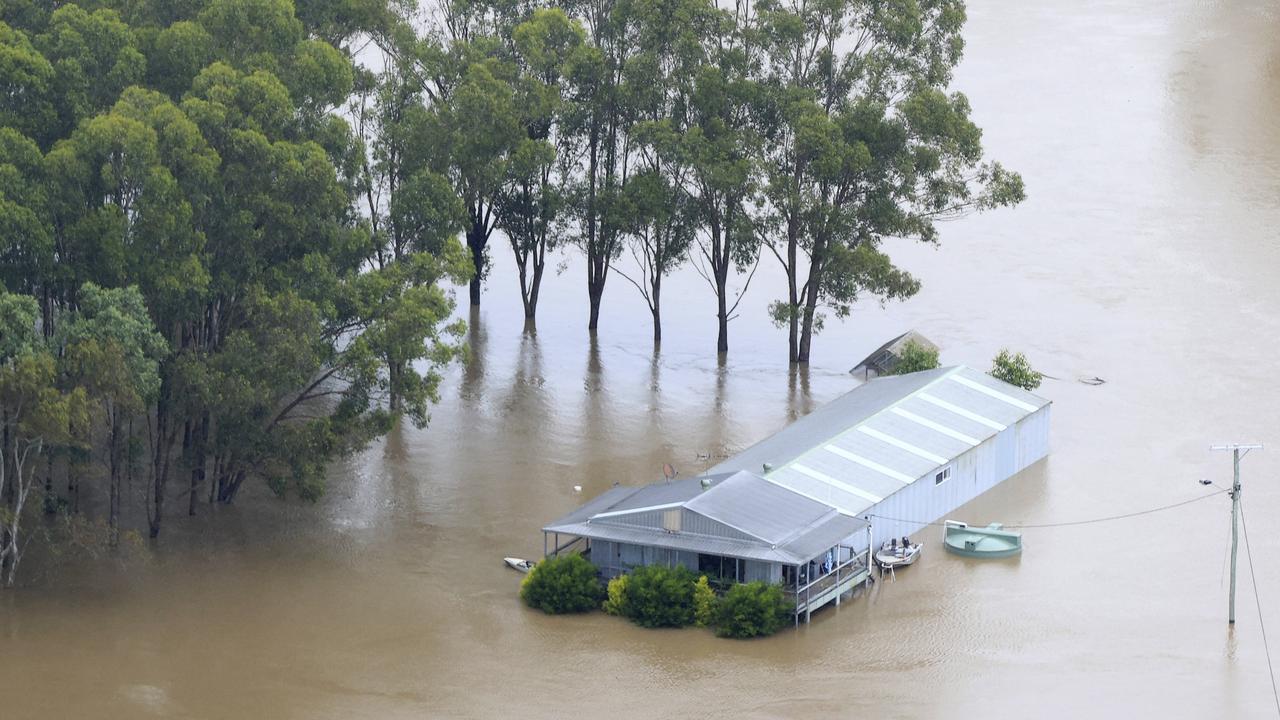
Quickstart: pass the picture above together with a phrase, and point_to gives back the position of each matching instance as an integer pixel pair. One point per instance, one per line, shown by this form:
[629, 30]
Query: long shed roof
[872, 441]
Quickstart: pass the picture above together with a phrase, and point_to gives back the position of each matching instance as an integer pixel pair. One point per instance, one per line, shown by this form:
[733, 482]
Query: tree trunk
[722, 321]
[594, 292]
[720, 272]
[476, 239]
[159, 467]
[656, 309]
[113, 450]
[535, 285]
[228, 494]
[73, 488]
[198, 437]
[812, 288]
[395, 371]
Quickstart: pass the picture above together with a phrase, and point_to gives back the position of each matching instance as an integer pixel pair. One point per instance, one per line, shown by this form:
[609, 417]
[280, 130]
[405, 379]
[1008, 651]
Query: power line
[1090, 521]
[1258, 602]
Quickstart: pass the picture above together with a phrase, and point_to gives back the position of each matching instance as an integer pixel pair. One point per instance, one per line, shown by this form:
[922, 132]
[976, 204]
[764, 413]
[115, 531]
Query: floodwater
[1147, 255]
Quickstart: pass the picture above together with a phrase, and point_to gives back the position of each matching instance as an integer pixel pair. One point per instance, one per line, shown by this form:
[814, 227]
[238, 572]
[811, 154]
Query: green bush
[704, 603]
[660, 597]
[617, 595]
[565, 584]
[1015, 369]
[915, 357]
[751, 610]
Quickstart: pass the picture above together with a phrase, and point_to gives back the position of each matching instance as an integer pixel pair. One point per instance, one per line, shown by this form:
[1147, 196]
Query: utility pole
[1235, 449]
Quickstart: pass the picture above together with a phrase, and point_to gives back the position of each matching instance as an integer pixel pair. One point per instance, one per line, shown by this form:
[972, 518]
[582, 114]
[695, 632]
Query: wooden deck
[829, 588]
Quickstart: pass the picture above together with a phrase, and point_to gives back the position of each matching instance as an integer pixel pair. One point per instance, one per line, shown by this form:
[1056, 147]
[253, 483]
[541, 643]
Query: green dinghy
[992, 541]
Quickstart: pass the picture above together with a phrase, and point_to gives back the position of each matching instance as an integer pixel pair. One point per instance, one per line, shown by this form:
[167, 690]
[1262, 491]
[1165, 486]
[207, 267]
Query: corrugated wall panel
[974, 472]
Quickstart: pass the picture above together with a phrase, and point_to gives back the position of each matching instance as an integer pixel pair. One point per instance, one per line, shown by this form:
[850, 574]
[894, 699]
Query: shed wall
[973, 472]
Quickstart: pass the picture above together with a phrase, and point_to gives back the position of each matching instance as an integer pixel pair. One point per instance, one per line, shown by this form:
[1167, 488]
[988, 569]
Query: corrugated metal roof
[822, 470]
[885, 434]
[779, 524]
[759, 508]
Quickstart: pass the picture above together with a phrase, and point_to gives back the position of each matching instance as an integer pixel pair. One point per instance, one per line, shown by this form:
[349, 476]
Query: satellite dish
[668, 472]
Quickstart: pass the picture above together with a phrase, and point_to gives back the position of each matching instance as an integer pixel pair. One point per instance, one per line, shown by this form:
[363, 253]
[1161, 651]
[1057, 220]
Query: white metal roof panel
[918, 435]
[946, 418]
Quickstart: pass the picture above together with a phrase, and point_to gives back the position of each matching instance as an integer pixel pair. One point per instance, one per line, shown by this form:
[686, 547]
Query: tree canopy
[186, 253]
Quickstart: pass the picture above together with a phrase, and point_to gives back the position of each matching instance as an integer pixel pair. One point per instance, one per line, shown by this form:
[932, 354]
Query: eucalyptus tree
[531, 203]
[863, 142]
[598, 125]
[40, 417]
[113, 353]
[193, 151]
[724, 148]
[657, 82]
[36, 415]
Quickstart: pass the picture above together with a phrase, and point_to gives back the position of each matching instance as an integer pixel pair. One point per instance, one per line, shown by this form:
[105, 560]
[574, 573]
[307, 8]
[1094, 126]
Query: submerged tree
[36, 415]
[862, 142]
[655, 209]
[185, 206]
[723, 148]
[531, 205]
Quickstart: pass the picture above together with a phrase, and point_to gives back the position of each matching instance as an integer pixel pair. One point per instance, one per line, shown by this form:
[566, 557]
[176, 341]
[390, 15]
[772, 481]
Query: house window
[942, 475]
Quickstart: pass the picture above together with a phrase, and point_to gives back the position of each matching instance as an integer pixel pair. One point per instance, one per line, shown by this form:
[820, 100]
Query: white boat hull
[895, 557]
[520, 564]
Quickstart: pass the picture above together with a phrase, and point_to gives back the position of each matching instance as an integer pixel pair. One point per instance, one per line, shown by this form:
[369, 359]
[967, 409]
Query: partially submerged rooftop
[887, 433]
[736, 514]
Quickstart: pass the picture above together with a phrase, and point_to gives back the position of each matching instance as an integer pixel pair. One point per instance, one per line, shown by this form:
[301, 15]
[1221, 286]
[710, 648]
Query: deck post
[837, 553]
[808, 610]
[870, 547]
[544, 544]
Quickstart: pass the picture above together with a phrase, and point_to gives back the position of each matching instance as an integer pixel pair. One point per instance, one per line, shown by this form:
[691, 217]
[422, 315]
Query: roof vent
[706, 483]
[768, 467]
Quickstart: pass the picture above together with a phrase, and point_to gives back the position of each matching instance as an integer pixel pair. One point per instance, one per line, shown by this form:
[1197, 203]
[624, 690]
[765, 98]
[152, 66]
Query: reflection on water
[1146, 254]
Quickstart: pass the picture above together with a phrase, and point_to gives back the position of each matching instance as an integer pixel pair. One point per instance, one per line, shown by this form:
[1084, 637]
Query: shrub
[704, 603]
[614, 604]
[565, 584]
[915, 357]
[751, 610]
[660, 597]
[1015, 369]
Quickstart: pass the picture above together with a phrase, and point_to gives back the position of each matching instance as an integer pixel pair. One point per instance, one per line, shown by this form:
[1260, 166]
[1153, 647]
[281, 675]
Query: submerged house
[804, 506]
[731, 527]
[885, 358]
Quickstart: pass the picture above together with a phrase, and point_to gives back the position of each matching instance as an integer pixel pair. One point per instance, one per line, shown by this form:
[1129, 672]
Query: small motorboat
[894, 554]
[992, 541]
[520, 564]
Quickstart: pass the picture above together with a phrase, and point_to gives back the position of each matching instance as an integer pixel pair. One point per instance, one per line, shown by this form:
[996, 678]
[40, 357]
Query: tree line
[228, 227]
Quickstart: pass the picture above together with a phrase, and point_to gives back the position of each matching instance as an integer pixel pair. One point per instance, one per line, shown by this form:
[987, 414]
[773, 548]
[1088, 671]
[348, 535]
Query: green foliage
[564, 584]
[860, 146]
[915, 357]
[658, 596]
[751, 610]
[178, 205]
[704, 603]
[616, 601]
[1015, 369]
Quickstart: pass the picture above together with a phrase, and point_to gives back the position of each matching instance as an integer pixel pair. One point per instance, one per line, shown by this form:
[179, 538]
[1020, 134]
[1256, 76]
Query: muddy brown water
[1147, 254]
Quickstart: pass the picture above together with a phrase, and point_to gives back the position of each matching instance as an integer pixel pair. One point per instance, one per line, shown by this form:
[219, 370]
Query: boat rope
[1090, 521]
[1258, 603]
